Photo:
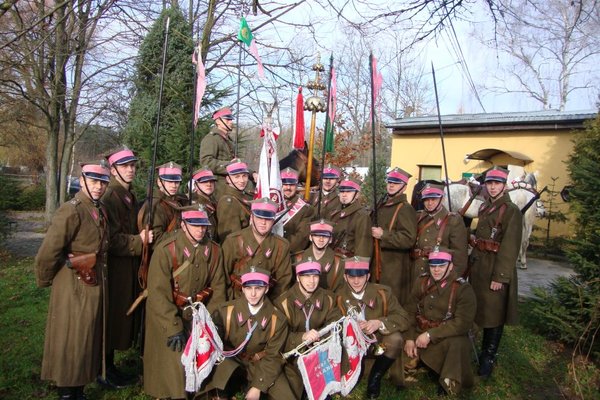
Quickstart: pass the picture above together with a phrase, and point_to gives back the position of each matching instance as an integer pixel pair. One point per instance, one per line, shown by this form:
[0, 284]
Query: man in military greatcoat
[123, 261]
[396, 234]
[165, 202]
[352, 223]
[330, 200]
[300, 213]
[380, 316]
[332, 271]
[308, 308]
[72, 259]
[493, 272]
[186, 265]
[442, 309]
[204, 188]
[437, 227]
[233, 207]
[256, 245]
[217, 148]
[254, 333]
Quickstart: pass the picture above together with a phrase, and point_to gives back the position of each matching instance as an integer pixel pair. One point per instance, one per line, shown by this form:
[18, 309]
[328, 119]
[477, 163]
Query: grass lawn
[528, 367]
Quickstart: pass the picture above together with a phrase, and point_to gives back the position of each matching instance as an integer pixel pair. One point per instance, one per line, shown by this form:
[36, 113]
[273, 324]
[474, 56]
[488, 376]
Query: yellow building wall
[549, 151]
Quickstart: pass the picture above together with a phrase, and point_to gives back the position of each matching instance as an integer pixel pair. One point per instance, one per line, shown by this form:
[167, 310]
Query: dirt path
[27, 233]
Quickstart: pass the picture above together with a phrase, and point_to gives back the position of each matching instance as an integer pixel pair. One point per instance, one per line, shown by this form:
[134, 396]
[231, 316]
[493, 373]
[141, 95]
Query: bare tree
[552, 49]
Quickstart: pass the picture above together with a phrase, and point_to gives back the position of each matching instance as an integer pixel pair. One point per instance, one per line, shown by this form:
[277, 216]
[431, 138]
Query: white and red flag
[200, 82]
[269, 178]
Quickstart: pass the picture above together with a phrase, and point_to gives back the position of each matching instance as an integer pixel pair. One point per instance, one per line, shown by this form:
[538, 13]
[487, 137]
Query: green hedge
[16, 196]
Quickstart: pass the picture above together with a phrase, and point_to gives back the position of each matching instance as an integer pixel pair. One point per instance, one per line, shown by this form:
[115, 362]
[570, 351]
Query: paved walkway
[540, 273]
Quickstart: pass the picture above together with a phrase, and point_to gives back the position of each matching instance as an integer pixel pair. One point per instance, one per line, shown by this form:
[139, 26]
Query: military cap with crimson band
[331, 172]
[356, 266]
[204, 175]
[321, 228]
[120, 157]
[440, 257]
[289, 176]
[497, 174]
[350, 185]
[432, 191]
[170, 172]
[224, 113]
[256, 277]
[397, 175]
[237, 166]
[97, 171]
[264, 208]
[308, 267]
[195, 215]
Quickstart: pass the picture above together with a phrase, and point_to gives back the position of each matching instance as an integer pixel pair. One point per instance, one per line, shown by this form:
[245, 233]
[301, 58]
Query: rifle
[143, 270]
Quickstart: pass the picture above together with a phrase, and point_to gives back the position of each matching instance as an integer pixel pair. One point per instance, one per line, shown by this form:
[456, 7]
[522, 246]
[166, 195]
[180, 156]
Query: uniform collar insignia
[327, 267]
[268, 253]
[318, 304]
[298, 303]
[371, 303]
[206, 251]
[186, 252]
[263, 323]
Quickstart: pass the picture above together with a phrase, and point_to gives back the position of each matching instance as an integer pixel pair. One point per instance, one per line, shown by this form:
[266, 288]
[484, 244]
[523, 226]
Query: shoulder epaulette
[424, 274]
[461, 280]
[75, 201]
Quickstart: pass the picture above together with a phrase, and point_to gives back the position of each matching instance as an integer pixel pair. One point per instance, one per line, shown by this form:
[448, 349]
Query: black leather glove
[176, 342]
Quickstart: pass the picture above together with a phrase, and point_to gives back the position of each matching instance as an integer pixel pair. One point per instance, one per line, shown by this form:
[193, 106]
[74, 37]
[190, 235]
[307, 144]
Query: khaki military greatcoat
[352, 230]
[332, 270]
[495, 308]
[74, 332]
[318, 310]
[165, 216]
[216, 152]
[297, 228]
[446, 228]
[449, 352]
[261, 356]
[241, 250]
[398, 220]
[197, 268]
[123, 264]
[233, 212]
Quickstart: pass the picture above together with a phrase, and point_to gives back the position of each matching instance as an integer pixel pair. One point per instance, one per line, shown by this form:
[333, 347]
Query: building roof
[459, 123]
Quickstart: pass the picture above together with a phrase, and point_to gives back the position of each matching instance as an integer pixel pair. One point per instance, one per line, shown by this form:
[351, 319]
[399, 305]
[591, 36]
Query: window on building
[430, 172]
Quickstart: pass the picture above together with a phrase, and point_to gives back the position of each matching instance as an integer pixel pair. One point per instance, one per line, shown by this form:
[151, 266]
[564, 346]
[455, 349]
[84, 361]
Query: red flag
[200, 82]
[299, 136]
[377, 84]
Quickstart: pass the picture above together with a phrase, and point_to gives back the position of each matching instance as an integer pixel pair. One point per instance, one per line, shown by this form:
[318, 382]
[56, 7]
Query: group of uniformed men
[268, 293]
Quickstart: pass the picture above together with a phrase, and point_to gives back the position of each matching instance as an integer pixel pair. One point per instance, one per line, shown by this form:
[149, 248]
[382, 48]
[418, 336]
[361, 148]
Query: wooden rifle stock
[377, 259]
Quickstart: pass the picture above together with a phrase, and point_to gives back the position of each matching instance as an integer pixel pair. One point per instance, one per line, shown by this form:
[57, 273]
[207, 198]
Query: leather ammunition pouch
[181, 299]
[417, 253]
[488, 245]
[84, 264]
[424, 324]
[344, 252]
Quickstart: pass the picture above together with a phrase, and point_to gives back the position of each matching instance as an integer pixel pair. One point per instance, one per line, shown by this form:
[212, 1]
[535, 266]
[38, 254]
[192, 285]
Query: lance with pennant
[376, 244]
[437, 103]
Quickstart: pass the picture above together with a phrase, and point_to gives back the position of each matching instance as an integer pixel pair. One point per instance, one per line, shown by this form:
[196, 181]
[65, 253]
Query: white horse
[521, 193]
